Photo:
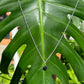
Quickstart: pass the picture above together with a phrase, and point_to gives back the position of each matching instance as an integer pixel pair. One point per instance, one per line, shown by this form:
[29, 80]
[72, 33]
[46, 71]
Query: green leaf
[47, 20]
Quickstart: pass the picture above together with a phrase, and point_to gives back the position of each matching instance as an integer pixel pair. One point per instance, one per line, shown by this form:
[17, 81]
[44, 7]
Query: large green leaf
[47, 20]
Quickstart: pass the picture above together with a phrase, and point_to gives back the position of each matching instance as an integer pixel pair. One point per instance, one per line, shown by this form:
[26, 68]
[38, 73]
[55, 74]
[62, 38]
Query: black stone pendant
[45, 68]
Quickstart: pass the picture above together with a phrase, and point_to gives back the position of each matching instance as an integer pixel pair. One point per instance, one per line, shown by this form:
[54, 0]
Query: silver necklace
[45, 61]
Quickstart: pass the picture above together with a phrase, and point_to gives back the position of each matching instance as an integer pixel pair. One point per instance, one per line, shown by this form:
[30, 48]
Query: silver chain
[45, 61]
[64, 31]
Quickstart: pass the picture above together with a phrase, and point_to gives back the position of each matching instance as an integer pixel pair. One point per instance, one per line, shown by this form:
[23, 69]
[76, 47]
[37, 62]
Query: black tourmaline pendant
[45, 68]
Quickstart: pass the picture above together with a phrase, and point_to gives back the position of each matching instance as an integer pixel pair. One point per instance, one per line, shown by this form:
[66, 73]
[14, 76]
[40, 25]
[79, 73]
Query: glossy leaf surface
[47, 20]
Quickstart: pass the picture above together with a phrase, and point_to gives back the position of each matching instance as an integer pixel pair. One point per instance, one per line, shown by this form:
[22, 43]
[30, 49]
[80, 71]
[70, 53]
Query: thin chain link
[59, 39]
[63, 32]
[30, 31]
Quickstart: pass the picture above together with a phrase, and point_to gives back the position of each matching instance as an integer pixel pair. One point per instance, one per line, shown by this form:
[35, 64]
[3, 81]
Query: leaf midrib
[41, 26]
[42, 33]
